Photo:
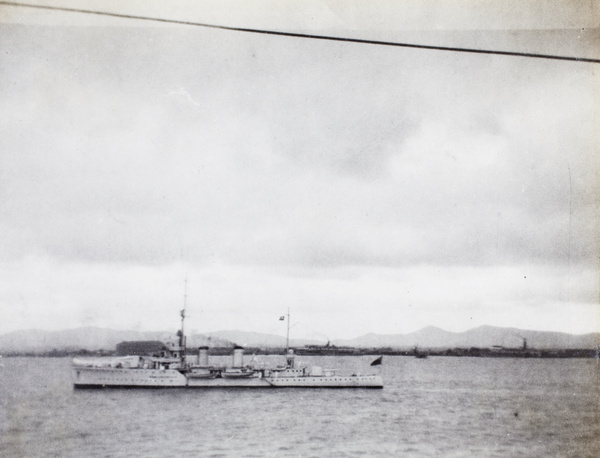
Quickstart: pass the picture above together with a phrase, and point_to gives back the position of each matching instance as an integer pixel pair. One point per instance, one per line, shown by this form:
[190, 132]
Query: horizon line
[296, 338]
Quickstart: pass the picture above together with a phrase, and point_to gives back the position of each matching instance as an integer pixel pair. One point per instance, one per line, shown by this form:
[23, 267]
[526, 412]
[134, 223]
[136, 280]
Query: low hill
[482, 337]
[91, 339]
[430, 337]
[255, 339]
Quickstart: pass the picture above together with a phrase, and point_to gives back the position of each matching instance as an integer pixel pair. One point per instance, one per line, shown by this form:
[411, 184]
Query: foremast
[182, 331]
[287, 339]
[289, 354]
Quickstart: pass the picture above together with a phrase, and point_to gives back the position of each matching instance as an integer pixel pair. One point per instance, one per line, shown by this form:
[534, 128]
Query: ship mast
[287, 339]
[182, 332]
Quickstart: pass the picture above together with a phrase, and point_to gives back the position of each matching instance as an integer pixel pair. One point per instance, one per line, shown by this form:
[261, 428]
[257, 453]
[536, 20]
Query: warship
[173, 368]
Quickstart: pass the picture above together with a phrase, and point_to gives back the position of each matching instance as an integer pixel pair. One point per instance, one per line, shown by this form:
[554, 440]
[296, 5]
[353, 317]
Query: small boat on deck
[237, 373]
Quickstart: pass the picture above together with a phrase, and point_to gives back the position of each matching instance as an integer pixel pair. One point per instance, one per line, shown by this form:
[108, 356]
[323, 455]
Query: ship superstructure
[171, 368]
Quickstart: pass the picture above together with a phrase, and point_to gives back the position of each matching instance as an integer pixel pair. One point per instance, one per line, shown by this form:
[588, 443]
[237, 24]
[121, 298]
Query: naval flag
[281, 318]
[377, 362]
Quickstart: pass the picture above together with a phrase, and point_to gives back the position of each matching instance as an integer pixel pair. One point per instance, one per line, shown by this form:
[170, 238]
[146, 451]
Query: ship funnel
[238, 357]
[202, 356]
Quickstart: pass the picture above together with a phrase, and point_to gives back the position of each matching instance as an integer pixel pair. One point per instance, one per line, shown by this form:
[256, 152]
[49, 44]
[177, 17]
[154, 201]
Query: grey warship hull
[98, 378]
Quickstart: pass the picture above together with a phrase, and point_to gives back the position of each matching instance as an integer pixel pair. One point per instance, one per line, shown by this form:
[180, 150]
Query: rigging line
[303, 35]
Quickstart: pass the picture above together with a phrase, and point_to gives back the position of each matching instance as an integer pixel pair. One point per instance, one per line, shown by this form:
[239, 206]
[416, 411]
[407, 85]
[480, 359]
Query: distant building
[141, 348]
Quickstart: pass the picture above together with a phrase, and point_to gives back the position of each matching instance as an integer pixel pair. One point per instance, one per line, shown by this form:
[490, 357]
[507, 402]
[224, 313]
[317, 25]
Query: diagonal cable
[307, 36]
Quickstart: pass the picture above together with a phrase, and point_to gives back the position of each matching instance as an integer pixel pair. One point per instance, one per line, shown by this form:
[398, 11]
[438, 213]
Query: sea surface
[439, 406]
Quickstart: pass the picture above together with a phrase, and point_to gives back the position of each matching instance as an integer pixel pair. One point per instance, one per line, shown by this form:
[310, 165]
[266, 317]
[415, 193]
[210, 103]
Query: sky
[364, 188]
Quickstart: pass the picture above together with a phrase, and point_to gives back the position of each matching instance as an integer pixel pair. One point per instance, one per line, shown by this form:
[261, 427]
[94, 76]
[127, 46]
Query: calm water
[431, 407]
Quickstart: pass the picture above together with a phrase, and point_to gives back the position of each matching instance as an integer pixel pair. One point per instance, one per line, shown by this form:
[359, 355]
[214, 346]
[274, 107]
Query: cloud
[338, 302]
[323, 173]
[380, 185]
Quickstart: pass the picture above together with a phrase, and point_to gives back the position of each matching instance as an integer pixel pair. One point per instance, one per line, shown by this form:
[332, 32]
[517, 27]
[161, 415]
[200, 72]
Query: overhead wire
[304, 35]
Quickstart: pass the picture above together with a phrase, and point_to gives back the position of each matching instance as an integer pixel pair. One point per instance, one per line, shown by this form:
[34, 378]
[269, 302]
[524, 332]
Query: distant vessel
[171, 369]
[420, 354]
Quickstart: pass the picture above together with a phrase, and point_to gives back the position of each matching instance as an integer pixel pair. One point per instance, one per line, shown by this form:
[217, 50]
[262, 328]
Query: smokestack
[202, 356]
[238, 356]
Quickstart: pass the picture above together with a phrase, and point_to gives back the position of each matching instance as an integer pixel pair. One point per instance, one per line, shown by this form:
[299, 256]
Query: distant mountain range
[91, 339]
[429, 337]
[482, 337]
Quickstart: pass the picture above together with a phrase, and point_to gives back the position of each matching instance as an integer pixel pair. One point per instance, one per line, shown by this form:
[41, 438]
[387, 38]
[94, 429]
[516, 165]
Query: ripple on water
[448, 407]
